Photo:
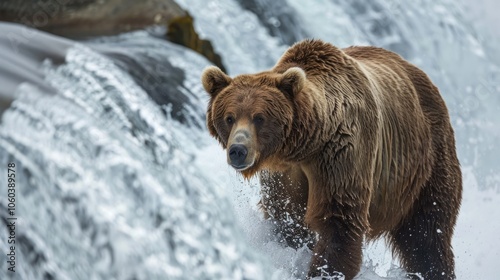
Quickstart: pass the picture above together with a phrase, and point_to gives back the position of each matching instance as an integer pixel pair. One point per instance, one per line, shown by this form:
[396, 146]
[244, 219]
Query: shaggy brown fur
[351, 143]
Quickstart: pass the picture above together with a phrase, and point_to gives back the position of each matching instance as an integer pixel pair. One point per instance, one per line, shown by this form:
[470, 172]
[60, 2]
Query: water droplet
[274, 21]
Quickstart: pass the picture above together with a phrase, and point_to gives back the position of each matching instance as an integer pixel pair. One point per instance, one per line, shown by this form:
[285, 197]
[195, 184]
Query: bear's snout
[241, 153]
[237, 155]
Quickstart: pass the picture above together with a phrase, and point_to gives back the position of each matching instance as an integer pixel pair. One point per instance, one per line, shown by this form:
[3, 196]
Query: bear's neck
[309, 131]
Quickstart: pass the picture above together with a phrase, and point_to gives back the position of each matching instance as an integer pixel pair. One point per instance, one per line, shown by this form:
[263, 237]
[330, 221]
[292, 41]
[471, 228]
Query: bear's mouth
[243, 167]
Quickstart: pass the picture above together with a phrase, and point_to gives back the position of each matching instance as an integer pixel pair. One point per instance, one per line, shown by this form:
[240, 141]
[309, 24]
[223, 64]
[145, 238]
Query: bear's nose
[237, 155]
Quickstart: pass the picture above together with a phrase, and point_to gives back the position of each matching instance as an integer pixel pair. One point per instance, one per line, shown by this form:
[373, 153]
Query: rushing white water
[107, 187]
[119, 179]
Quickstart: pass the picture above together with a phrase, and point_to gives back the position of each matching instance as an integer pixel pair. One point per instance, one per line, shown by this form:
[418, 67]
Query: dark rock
[89, 18]
[181, 31]
[86, 18]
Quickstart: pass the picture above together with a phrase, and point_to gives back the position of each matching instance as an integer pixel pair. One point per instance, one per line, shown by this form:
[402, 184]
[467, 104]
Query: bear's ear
[214, 80]
[292, 82]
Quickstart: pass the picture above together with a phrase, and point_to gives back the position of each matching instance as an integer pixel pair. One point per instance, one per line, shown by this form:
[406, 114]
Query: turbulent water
[117, 177]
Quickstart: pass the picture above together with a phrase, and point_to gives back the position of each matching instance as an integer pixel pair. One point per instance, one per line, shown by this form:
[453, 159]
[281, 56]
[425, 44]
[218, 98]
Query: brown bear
[350, 143]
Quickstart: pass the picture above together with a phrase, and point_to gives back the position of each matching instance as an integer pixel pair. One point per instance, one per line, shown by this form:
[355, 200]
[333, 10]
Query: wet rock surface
[79, 19]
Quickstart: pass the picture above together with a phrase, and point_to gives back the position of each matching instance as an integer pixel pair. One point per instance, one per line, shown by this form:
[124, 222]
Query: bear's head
[251, 115]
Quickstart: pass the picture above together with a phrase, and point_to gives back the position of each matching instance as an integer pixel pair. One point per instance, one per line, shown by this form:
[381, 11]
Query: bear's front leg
[338, 213]
[338, 249]
[337, 208]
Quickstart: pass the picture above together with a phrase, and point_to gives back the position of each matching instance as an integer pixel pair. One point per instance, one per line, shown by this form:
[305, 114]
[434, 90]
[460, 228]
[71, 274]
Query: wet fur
[364, 143]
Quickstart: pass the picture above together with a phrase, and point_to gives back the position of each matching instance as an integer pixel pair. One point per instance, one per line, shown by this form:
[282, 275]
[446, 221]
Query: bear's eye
[229, 120]
[258, 120]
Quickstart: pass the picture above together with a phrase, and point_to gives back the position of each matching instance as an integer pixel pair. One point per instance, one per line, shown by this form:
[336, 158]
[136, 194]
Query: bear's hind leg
[423, 239]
